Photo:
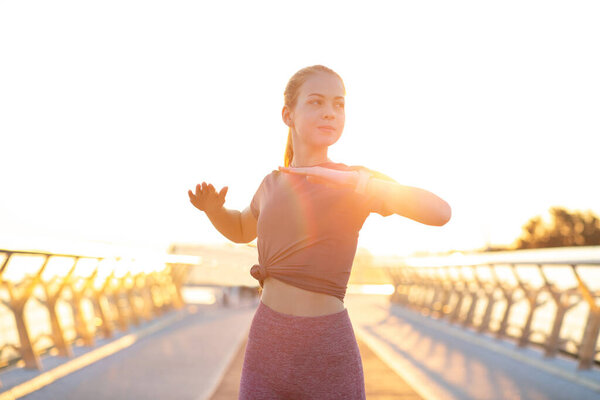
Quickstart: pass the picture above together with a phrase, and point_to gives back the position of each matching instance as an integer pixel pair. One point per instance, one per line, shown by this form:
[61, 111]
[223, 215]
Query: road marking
[86, 359]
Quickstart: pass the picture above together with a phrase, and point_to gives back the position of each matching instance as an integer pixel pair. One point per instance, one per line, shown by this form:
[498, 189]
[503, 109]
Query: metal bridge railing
[44, 309]
[553, 304]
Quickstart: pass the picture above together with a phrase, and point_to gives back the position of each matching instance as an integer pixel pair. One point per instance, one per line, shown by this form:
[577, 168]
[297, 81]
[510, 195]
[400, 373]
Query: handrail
[115, 300]
[457, 290]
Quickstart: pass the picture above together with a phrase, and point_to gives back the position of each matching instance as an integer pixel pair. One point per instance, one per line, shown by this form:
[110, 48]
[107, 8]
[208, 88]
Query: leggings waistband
[327, 318]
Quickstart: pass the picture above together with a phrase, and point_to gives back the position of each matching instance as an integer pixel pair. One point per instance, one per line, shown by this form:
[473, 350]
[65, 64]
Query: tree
[564, 229]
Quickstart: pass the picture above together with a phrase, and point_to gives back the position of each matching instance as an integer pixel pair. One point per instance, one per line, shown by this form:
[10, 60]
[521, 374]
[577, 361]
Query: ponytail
[289, 150]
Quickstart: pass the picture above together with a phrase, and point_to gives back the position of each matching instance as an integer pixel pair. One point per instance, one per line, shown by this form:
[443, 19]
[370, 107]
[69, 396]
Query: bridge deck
[188, 354]
[192, 354]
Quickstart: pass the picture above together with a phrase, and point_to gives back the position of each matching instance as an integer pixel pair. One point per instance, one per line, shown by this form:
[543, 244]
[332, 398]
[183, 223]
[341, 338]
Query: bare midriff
[288, 299]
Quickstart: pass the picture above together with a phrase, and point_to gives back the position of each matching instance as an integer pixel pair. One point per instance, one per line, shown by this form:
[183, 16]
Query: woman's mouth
[327, 128]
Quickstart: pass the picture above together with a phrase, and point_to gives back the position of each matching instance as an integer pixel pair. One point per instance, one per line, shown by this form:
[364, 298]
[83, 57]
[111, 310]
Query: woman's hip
[317, 357]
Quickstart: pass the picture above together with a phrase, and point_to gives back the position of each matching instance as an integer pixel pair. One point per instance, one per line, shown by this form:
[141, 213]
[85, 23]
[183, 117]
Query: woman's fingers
[206, 195]
[223, 192]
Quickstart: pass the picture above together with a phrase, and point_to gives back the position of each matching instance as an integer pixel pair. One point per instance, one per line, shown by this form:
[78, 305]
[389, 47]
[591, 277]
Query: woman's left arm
[410, 202]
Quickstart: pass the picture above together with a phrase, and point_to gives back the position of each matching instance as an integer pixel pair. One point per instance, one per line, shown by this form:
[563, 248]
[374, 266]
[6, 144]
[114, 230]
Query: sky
[110, 111]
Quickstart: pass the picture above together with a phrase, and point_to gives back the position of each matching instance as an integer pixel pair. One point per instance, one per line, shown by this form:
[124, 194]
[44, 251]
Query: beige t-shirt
[308, 232]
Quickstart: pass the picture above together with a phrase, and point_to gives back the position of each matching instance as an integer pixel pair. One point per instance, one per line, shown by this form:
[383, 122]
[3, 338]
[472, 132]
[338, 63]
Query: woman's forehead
[324, 84]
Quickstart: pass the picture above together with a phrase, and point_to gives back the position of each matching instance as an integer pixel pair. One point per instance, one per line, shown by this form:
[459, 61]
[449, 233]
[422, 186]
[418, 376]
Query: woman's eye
[315, 102]
[340, 105]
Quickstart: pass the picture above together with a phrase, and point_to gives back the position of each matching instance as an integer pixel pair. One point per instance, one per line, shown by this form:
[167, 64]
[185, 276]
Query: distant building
[225, 264]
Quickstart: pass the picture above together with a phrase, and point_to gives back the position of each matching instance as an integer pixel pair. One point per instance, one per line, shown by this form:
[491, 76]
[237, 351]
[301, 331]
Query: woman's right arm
[239, 227]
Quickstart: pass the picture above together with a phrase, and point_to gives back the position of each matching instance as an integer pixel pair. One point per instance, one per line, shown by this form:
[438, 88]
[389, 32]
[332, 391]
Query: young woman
[307, 216]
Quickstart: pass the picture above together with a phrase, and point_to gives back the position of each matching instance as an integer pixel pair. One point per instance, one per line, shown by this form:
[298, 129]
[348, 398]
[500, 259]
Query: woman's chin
[328, 139]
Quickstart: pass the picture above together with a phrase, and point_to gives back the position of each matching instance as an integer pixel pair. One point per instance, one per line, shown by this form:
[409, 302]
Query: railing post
[436, 287]
[17, 305]
[405, 284]
[102, 305]
[509, 294]
[474, 294]
[58, 336]
[420, 289]
[563, 303]
[6, 304]
[531, 295]
[446, 291]
[393, 273]
[459, 287]
[128, 285]
[489, 290]
[119, 301]
[587, 350]
[81, 321]
[155, 293]
[142, 283]
[178, 277]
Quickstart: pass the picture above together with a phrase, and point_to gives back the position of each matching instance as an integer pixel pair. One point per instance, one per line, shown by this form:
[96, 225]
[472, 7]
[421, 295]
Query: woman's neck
[302, 159]
[303, 163]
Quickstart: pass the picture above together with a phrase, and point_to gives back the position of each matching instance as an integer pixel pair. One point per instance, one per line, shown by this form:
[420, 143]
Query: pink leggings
[293, 357]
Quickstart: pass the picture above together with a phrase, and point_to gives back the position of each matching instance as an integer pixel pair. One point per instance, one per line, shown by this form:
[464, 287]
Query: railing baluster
[102, 306]
[531, 295]
[80, 289]
[473, 290]
[18, 299]
[52, 296]
[459, 288]
[509, 293]
[587, 349]
[563, 303]
[128, 286]
[442, 291]
[133, 297]
[489, 290]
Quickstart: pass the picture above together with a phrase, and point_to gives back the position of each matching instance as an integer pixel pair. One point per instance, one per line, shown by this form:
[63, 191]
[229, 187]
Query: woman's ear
[286, 116]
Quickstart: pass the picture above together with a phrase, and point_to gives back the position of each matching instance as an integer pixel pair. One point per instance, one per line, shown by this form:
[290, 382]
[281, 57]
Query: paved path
[184, 355]
[184, 360]
[191, 355]
[444, 361]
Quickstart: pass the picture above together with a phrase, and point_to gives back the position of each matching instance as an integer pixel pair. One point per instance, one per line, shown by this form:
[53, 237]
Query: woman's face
[318, 117]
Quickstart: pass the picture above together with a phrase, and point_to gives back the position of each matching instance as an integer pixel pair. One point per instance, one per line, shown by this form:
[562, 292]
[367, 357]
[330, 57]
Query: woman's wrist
[214, 211]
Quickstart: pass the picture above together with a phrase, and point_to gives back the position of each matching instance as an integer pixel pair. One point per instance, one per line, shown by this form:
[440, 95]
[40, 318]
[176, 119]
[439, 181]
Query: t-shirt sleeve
[372, 203]
[255, 203]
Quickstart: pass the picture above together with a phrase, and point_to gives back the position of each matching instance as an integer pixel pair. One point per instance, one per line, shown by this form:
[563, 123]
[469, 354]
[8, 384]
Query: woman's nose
[328, 113]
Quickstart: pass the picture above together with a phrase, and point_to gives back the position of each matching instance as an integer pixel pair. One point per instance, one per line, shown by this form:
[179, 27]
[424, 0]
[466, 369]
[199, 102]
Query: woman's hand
[206, 198]
[327, 176]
